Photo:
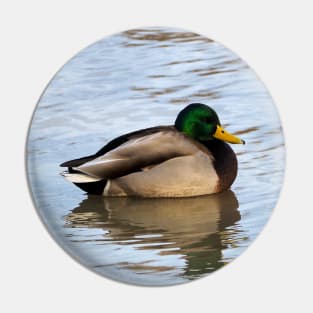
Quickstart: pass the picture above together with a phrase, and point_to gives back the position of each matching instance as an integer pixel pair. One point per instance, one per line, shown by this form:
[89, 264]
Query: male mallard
[190, 158]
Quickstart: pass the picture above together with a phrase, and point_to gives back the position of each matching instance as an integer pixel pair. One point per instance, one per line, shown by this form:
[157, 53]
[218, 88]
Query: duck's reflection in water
[193, 229]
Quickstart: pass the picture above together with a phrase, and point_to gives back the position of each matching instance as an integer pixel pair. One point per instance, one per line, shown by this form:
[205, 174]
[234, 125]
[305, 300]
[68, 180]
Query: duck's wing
[112, 145]
[136, 152]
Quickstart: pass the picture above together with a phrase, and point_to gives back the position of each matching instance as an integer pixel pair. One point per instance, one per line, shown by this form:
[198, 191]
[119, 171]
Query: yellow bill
[222, 134]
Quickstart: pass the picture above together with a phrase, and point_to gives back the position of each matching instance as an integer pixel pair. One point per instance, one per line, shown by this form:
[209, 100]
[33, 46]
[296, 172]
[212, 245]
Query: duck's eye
[207, 120]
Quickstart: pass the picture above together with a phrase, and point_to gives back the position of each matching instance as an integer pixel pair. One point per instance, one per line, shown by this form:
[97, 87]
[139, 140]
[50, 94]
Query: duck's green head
[201, 122]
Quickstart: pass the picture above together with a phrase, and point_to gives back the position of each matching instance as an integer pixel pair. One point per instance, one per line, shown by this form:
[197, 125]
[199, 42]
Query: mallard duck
[189, 158]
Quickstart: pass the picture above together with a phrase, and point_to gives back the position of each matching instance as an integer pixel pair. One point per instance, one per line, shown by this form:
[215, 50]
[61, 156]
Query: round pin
[155, 156]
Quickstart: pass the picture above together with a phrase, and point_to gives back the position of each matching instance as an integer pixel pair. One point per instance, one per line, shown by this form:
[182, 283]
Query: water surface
[143, 78]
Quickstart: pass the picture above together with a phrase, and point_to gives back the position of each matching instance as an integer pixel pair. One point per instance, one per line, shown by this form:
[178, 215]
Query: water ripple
[137, 79]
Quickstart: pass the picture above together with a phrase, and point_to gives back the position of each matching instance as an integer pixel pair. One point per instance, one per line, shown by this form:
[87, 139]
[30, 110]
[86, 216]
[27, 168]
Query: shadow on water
[194, 229]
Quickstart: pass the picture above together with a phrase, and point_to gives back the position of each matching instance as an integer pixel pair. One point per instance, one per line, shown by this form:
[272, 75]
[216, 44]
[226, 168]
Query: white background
[275, 38]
